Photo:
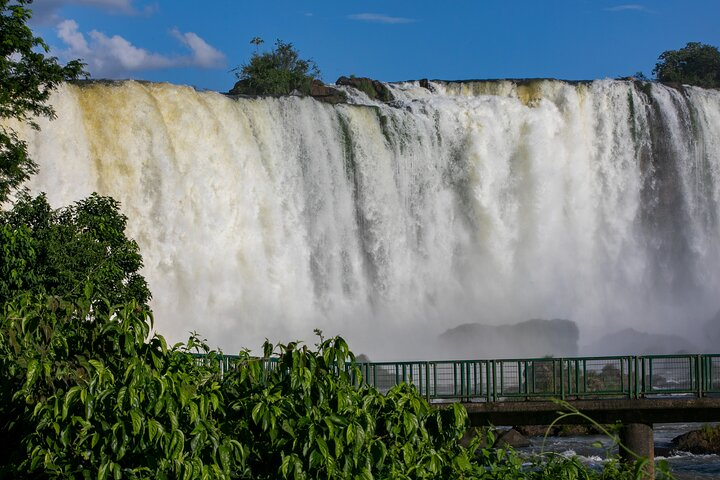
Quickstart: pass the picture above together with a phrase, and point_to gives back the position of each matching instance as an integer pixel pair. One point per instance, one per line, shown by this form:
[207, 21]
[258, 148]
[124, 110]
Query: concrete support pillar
[638, 438]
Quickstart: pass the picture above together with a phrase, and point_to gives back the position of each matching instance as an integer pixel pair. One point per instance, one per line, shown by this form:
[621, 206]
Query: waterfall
[490, 202]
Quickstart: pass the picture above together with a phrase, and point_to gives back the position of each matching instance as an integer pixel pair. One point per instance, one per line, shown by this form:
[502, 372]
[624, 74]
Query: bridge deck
[605, 411]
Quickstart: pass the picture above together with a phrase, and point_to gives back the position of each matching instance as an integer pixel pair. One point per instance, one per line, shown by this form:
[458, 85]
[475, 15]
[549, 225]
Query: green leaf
[225, 458]
[154, 429]
[322, 446]
[257, 413]
[137, 421]
[103, 471]
[69, 397]
[286, 466]
[33, 371]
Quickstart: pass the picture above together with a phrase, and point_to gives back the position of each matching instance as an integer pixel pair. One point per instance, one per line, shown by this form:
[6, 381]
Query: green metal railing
[633, 377]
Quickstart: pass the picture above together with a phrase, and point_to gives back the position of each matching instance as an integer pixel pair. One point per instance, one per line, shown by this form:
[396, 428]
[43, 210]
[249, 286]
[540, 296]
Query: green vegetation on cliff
[277, 72]
[695, 64]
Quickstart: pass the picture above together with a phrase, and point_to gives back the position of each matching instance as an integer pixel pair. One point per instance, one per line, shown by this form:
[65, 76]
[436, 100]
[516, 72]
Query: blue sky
[198, 42]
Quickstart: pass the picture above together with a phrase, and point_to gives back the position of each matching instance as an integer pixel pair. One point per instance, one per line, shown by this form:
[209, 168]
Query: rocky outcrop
[511, 438]
[372, 88]
[630, 341]
[239, 88]
[703, 441]
[318, 90]
[503, 438]
[425, 83]
[324, 93]
[533, 338]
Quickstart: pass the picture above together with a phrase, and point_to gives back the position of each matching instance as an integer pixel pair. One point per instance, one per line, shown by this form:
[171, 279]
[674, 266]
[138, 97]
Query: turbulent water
[490, 202]
[683, 465]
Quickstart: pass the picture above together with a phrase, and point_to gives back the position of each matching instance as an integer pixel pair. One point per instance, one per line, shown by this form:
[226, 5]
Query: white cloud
[46, 11]
[628, 7]
[380, 18]
[114, 56]
[203, 54]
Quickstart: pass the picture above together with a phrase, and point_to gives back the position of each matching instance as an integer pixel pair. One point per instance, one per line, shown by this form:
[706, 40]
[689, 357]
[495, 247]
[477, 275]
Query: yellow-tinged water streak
[488, 202]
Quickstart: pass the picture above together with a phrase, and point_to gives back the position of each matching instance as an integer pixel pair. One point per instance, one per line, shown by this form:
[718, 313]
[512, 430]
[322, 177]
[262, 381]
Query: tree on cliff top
[695, 64]
[27, 78]
[277, 72]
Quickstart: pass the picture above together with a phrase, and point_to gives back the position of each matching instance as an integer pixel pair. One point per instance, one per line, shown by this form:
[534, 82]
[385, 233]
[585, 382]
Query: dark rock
[425, 83]
[239, 88]
[372, 88]
[537, 430]
[704, 441]
[511, 438]
[470, 435]
[577, 430]
[630, 341]
[663, 451]
[320, 91]
[557, 430]
[533, 338]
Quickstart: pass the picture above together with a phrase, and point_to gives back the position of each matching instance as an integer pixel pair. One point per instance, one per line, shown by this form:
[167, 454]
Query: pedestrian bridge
[542, 379]
[636, 391]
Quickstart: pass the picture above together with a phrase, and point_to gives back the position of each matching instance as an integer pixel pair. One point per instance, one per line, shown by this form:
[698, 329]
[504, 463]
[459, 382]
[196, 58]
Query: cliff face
[459, 202]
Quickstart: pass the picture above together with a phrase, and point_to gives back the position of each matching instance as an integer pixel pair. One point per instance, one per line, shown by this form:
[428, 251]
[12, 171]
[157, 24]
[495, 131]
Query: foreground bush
[85, 396]
[87, 392]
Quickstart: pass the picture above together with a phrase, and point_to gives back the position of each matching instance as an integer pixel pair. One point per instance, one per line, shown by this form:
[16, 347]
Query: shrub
[695, 64]
[89, 393]
[278, 72]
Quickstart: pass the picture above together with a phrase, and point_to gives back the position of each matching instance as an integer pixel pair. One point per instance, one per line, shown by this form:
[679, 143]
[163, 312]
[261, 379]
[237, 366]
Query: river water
[683, 465]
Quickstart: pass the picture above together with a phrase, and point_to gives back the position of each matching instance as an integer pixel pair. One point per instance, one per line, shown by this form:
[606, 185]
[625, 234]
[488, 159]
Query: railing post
[699, 374]
[463, 380]
[427, 381]
[494, 382]
[562, 379]
[477, 390]
[577, 377]
[455, 379]
[488, 385]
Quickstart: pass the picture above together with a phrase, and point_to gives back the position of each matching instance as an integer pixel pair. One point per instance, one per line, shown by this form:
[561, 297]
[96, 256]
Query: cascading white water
[488, 202]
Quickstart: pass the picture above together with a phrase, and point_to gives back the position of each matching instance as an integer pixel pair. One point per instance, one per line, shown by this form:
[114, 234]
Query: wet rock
[511, 438]
[372, 88]
[425, 83]
[703, 441]
[239, 88]
[470, 435]
[324, 93]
